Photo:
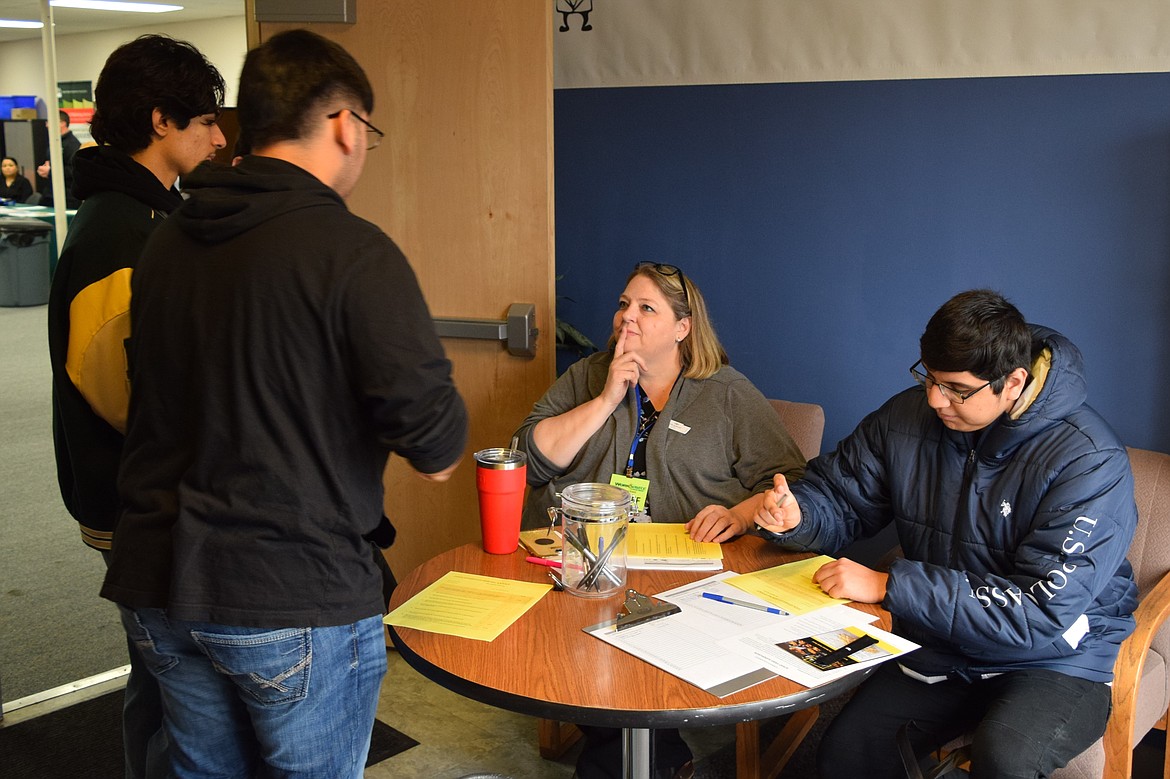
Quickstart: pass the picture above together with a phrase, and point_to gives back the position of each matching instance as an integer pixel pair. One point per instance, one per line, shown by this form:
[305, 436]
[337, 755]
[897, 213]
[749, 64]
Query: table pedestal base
[636, 753]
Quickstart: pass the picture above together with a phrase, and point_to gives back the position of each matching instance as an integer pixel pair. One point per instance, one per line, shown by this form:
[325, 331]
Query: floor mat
[85, 740]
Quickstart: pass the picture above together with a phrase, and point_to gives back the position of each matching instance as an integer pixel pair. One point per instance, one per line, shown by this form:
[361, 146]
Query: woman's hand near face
[560, 438]
[624, 372]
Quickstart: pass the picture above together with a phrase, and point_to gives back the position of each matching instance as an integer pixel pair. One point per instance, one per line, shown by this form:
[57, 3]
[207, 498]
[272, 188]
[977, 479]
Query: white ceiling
[68, 21]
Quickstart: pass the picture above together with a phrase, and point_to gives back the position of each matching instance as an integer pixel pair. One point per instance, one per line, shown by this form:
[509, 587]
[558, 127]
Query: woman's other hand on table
[716, 524]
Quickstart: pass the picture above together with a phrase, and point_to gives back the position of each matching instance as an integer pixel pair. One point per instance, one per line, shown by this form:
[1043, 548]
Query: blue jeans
[242, 702]
[1026, 723]
[144, 741]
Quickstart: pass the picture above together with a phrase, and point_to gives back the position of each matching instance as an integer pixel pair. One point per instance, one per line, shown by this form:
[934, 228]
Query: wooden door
[463, 183]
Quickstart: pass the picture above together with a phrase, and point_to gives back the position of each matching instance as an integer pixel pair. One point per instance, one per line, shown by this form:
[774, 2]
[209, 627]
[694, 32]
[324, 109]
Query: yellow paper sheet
[468, 605]
[668, 540]
[789, 586]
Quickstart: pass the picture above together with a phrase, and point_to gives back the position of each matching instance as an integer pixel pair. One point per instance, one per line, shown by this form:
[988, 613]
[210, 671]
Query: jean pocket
[270, 666]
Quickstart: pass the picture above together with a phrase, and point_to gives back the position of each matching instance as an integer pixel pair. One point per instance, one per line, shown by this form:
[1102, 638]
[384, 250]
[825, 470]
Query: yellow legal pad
[789, 586]
[668, 540]
[468, 605]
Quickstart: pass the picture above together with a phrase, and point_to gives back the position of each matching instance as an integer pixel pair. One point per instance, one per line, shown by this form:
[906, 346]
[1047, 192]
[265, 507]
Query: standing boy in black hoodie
[281, 350]
[157, 102]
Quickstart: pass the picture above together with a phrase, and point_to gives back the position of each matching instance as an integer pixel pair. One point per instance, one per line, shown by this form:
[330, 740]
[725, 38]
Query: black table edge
[628, 718]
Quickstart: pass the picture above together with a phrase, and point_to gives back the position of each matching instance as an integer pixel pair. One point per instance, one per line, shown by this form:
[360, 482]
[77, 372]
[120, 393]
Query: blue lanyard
[642, 428]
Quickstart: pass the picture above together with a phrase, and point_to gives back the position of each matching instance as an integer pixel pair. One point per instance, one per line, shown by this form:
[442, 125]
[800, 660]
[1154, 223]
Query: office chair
[805, 422]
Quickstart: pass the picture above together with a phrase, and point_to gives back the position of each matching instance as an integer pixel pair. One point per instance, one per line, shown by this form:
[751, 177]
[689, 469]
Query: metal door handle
[517, 330]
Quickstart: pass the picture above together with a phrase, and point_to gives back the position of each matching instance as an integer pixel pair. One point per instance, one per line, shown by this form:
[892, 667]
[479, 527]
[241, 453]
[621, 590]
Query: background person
[156, 104]
[661, 404]
[281, 350]
[13, 185]
[69, 148]
[1013, 503]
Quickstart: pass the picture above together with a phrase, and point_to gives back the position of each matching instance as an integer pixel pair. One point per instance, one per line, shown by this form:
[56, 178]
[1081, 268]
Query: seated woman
[661, 404]
[13, 186]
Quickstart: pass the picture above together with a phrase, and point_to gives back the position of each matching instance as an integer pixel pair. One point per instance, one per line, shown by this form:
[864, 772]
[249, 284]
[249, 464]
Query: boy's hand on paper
[844, 578]
[779, 512]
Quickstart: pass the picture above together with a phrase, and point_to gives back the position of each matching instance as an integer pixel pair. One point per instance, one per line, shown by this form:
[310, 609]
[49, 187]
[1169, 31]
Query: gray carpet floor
[55, 629]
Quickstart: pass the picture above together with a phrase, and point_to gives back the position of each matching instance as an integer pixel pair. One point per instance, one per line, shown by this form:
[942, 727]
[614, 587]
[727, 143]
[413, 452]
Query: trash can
[24, 261]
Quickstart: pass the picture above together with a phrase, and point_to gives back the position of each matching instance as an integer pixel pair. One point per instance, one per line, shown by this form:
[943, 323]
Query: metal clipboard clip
[639, 609]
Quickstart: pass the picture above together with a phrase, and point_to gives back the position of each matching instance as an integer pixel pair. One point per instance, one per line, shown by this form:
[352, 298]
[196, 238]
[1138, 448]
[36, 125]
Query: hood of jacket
[106, 169]
[1060, 367]
[225, 202]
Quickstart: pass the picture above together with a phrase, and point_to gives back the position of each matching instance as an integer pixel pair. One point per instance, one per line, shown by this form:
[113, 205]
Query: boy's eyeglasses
[374, 136]
[950, 393]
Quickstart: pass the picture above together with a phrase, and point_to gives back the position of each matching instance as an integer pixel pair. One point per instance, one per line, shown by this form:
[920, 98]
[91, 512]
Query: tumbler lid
[500, 459]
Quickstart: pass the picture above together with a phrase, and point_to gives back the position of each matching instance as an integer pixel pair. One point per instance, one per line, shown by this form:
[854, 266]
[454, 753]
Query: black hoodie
[90, 298]
[281, 351]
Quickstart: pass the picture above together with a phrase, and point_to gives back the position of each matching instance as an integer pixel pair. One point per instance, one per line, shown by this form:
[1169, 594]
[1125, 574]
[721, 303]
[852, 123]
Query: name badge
[679, 427]
[633, 485]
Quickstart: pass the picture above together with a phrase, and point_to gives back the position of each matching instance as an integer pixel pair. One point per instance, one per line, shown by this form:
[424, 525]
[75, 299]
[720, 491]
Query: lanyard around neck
[643, 427]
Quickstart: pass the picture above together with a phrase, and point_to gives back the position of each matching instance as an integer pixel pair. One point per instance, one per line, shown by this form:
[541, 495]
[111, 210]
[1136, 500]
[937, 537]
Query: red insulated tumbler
[500, 478]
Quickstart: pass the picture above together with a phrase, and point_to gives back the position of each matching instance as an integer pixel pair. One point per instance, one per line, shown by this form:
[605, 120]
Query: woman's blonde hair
[701, 353]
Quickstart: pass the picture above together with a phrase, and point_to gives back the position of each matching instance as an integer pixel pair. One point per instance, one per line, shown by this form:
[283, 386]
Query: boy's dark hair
[289, 78]
[64, 117]
[149, 72]
[977, 331]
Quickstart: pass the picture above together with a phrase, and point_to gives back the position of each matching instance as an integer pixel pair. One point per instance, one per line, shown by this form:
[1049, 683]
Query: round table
[545, 665]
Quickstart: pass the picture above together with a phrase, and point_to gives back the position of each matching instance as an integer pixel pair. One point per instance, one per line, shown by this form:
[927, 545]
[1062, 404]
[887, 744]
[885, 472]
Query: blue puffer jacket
[1014, 540]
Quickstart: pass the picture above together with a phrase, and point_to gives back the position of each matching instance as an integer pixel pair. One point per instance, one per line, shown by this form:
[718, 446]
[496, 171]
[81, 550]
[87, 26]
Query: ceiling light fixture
[114, 5]
[20, 24]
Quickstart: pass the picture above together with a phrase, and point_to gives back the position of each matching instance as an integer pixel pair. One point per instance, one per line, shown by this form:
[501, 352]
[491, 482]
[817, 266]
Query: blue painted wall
[826, 222]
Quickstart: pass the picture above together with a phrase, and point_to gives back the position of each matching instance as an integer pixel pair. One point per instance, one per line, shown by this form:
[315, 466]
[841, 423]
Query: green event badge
[635, 486]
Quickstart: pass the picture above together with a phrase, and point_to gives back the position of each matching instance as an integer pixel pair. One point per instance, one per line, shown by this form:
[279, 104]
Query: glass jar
[594, 522]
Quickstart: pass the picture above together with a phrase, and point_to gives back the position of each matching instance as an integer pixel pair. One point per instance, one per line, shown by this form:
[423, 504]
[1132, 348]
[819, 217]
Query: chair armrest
[1119, 742]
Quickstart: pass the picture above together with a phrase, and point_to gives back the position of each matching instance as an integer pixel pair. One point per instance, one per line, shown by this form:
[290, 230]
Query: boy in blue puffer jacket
[1013, 504]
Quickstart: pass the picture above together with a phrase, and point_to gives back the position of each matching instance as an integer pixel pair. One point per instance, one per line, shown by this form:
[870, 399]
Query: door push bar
[517, 330]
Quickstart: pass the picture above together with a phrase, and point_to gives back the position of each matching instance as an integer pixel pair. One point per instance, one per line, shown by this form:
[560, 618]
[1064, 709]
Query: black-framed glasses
[950, 393]
[668, 270]
[374, 136]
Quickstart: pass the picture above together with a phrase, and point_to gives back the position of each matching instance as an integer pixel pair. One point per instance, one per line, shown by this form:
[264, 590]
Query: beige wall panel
[463, 183]
[673, 42]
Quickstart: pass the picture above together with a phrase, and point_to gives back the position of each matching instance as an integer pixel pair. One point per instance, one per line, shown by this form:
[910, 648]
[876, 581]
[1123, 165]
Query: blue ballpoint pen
[756, 606]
